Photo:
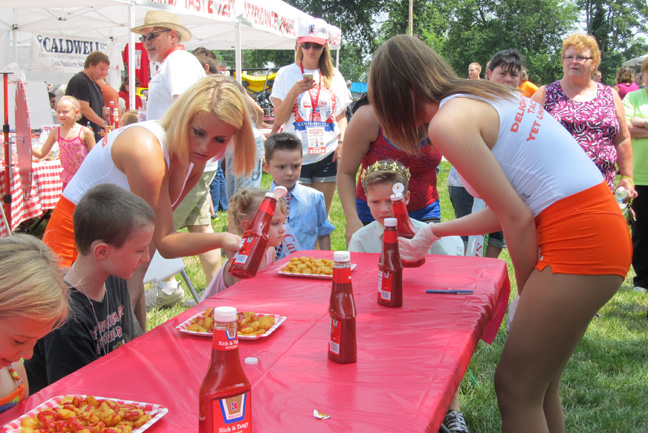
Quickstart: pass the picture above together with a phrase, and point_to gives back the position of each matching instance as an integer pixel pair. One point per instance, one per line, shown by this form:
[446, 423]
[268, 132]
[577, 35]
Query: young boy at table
[112, 230]
[378, 181]
[307, 222]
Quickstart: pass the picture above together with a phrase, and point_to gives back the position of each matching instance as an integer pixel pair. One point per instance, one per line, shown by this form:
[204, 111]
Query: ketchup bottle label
[246, 249]
[342, 276]
[225, 340]
[385, 280]
[335, 336]
[232, 414]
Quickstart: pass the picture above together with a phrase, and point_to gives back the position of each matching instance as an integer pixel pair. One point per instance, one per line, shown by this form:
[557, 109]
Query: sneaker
[639, 289]
[454, 422]
[164, 295]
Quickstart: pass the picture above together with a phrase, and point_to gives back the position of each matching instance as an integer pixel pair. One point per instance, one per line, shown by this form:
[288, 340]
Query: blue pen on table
[451, 292]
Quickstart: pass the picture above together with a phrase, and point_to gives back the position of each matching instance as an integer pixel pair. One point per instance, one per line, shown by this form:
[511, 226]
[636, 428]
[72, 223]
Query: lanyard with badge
[315, 130]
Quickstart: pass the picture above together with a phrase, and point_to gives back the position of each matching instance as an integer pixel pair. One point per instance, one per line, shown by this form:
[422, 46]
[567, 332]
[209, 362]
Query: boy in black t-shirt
[112, 230]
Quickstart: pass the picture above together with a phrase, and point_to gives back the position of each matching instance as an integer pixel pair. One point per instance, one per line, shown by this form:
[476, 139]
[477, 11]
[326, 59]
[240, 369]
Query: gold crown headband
[386, 167]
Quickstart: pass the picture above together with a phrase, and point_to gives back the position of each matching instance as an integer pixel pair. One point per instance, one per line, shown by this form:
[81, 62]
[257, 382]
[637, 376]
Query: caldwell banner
[62, 54]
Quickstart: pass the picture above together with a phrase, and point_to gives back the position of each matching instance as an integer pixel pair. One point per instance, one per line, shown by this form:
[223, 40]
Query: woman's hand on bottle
[415, 249]
[230, 243]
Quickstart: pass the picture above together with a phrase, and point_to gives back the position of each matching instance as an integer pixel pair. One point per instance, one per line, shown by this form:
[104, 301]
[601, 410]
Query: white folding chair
[161, 268]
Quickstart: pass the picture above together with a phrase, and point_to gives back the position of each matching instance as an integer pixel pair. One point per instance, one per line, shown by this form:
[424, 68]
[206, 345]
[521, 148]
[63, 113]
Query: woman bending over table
[161, 161]
[567, 238]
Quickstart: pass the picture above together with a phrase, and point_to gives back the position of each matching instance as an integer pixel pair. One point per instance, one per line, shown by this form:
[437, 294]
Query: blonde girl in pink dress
[75, 140]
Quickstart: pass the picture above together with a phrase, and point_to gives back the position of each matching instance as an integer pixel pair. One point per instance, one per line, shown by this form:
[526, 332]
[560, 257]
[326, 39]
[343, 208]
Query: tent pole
[131, 59]
[237, 42]
[6, 199]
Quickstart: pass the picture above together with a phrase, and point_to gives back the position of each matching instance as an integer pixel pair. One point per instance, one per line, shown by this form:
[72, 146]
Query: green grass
[605, 384]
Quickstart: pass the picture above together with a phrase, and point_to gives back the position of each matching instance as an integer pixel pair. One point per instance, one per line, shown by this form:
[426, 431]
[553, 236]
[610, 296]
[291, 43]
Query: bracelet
[629, 179]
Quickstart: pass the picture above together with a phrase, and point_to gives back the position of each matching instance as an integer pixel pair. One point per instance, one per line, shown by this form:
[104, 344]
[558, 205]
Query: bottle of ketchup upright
[225, 399]
[405, 226]
[246, 261]
[390, 268]
[342, 345]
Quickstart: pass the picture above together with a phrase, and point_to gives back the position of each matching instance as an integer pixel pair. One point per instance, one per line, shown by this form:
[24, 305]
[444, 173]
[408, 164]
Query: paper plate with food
[308, 267]
[249, 325]
[73, 413]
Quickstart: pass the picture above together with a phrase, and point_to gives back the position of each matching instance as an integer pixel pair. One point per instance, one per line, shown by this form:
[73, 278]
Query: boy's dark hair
[110, 214]
[510, 60]
[94, 58]
[281, 141]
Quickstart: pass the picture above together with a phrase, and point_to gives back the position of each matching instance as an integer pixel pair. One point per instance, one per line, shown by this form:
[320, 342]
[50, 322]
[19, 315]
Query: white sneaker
[639, 289]
[164, 294]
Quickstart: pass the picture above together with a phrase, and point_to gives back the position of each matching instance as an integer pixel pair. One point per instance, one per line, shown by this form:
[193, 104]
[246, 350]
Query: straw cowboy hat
[168, 20]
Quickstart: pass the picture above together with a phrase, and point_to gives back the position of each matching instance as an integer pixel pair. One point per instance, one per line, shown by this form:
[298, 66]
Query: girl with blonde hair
[161, 161]
[243, 207]
[33, 300]
[74, 140]
[567, 238]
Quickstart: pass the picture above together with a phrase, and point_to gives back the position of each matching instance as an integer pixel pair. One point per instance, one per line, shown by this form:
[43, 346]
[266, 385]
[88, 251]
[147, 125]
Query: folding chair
[161, 268]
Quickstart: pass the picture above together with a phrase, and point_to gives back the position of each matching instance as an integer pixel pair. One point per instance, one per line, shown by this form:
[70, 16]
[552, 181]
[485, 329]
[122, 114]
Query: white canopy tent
[215, 24]
[637, 61]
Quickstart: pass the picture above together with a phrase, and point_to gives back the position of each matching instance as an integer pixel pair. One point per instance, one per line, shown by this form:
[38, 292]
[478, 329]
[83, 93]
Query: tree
[615, 24]
[481, 28]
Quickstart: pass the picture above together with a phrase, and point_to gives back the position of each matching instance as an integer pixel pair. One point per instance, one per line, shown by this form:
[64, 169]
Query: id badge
[316, 144]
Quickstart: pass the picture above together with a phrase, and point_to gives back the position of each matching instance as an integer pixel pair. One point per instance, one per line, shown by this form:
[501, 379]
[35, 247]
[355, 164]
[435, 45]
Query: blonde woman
[310, 97]
[161, 161]
[592, 112]
[33, 300]
[567, 238]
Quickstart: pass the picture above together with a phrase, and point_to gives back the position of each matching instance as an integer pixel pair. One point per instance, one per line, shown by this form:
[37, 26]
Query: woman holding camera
[310, 97]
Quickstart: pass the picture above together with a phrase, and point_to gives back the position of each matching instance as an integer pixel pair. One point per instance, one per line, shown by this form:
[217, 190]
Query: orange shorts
[59, 234]
[584, 234]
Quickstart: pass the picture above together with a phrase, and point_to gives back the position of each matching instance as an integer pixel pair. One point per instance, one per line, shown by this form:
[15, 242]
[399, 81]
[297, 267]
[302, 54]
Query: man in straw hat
[162, 35]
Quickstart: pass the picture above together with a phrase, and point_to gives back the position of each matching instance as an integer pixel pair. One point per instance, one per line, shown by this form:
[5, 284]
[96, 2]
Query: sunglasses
[152, 35]
[313, 45]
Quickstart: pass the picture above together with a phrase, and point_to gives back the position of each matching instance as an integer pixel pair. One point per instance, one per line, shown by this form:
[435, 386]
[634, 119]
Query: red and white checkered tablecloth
[45, 192]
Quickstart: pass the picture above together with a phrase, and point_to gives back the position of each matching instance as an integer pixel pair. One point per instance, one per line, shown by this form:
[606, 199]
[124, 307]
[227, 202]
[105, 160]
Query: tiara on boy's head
[386, 167]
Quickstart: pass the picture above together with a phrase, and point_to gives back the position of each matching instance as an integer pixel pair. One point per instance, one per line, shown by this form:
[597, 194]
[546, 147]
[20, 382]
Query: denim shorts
[321, 171]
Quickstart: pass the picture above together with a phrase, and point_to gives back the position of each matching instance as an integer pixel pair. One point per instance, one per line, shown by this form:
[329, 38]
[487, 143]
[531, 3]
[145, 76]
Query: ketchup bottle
[390, 268]
[246, 261]
[405, 226]
[224, 401]
[342, 345]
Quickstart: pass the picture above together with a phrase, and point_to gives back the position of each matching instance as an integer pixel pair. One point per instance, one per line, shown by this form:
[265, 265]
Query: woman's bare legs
[551, 318]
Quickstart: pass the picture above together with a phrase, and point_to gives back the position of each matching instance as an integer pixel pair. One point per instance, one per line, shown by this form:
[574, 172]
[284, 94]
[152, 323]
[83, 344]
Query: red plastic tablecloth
[410, 359]
[46, 189]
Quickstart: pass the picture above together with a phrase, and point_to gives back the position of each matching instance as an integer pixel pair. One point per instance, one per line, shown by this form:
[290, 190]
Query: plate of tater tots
[249, 325]
[308, 267]
[83, 413]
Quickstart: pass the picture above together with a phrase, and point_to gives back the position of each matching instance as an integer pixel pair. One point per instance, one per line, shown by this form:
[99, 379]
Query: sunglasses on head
[313, 45]
[152, 35]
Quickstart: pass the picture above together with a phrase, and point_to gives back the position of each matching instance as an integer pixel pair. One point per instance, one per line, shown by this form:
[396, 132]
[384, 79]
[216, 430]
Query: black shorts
[321, 171]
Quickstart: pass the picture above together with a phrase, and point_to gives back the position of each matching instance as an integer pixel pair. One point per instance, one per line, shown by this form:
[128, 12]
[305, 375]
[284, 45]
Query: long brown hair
[405, 74]
[325, 64]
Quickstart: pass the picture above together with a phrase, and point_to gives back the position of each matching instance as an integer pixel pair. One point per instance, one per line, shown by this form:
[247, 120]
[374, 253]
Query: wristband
[629, 179]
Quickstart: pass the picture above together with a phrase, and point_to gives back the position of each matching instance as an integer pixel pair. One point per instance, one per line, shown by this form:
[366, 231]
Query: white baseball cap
[315, 30]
